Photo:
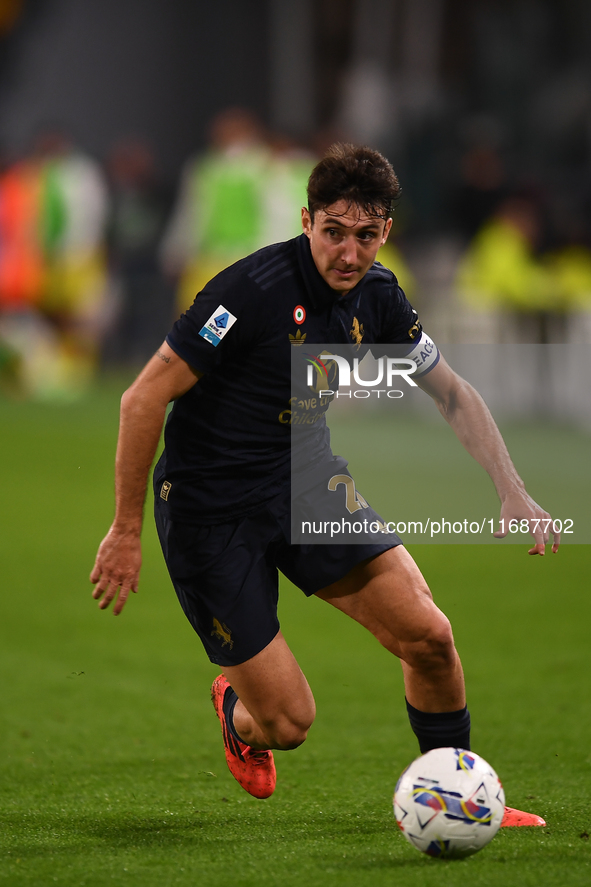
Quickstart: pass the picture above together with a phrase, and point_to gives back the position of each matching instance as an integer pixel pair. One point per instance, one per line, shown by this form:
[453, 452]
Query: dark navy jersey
[227, 440]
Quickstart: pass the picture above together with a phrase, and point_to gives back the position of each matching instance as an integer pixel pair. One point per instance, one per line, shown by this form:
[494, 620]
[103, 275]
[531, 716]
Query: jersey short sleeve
[222, 321]
[401, 324]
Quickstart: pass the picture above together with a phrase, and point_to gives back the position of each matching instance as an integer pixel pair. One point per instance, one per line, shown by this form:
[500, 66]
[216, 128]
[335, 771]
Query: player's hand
[116, 569]
[519, 506]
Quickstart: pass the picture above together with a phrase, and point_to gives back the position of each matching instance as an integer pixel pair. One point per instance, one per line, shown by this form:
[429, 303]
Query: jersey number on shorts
[353, 500]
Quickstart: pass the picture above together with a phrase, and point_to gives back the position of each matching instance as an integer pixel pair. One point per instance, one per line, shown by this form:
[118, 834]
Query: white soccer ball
[449, 803]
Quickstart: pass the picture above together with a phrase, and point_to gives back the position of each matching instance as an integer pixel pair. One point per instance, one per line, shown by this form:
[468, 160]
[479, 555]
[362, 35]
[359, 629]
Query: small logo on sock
[221, 631]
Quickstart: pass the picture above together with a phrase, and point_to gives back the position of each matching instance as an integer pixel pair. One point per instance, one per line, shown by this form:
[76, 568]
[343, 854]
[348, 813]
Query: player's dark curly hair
[361, 176]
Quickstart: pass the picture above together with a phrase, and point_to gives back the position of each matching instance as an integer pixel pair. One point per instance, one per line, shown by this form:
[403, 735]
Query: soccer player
[222, 485]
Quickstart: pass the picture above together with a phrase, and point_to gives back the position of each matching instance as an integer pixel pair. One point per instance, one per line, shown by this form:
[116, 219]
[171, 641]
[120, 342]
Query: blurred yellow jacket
[500, 270]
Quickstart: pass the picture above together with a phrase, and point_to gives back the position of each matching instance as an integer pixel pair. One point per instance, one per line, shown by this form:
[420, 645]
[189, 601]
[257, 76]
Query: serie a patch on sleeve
[217, 326]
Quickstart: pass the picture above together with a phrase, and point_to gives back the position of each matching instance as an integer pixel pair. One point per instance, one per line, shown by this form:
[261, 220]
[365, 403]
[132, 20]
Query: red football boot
[253, 769]
[517, 817]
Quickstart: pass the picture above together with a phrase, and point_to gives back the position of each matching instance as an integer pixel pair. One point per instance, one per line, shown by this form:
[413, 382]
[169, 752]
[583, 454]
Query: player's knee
[435, 648]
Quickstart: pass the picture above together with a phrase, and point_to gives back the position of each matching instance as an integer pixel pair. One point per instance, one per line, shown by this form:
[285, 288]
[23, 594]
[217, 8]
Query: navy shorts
[226, 579]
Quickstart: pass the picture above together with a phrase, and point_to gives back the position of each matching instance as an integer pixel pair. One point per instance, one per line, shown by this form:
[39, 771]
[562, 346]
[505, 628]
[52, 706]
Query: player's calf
[285, 733]
[435, 694]
[275, 706]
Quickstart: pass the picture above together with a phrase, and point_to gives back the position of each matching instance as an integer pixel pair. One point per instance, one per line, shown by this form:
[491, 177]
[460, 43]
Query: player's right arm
[143, 408]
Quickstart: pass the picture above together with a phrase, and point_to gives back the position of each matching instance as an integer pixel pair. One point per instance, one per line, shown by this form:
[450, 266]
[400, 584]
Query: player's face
[344, 241]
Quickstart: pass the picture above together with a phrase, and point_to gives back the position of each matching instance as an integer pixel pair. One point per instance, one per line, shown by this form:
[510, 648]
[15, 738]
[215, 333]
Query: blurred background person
[483, 176]
[28, 343]
[569, 270]
[218, 217]
[22, 261]
[283, 188]
[508, 271]
[501, 270]
[74, 228]
[141, 298]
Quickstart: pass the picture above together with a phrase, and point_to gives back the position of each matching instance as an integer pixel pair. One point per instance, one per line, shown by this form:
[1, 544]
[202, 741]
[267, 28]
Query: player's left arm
[465, 410]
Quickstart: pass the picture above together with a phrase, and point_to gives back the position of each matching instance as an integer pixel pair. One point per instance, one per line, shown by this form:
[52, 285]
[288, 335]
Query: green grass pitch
[112, 763]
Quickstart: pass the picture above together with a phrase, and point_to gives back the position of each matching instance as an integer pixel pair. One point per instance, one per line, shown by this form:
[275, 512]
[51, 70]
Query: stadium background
[112, 767]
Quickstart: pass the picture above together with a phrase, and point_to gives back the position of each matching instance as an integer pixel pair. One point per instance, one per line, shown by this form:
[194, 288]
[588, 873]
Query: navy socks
[228, 706]
[440, 729]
